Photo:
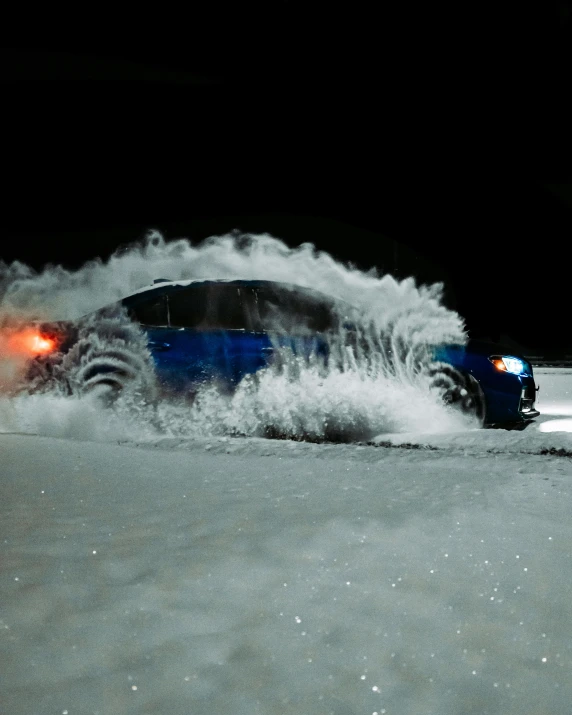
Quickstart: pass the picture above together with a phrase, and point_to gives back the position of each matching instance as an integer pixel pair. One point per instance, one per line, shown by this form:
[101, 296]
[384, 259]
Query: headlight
[507, 363]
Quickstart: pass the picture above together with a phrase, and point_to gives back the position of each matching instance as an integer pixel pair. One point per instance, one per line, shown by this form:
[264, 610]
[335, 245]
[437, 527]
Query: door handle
[157, 345]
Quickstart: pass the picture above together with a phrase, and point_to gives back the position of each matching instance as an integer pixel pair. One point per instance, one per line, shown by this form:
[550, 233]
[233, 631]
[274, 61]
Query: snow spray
[357, 397]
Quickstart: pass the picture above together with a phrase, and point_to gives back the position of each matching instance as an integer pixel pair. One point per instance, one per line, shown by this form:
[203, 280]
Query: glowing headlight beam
[508, 363]
[513, 365]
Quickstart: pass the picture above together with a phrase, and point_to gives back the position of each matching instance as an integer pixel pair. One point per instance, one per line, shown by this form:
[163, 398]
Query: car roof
[165, 287]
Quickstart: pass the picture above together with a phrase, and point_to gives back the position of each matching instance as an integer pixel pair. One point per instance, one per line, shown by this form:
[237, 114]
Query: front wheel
[459, 390]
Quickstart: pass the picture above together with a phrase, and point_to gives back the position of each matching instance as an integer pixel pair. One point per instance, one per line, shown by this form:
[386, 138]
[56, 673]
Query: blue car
[205, 331]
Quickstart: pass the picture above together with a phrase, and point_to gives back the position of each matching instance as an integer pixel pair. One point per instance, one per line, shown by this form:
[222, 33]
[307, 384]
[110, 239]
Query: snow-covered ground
[151, 563]
[249, 576]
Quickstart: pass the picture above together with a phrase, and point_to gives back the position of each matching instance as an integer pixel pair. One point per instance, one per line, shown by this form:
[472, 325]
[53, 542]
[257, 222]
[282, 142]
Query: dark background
[429, 146]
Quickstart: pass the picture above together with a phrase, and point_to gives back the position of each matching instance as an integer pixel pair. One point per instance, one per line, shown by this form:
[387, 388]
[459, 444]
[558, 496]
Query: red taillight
[30, 342]
[39, 344]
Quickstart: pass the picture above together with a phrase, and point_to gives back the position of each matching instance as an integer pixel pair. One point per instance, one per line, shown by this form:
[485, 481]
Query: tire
[458, 390]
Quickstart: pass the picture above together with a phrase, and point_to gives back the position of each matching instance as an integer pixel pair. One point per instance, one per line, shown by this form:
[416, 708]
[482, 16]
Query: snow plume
[370, 387]
[306, 402]
[413, 312]
[294, 402]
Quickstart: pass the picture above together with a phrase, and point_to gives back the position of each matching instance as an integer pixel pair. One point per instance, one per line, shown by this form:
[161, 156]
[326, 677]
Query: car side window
[151, 312]
[265, 309]
[225, 308]
[315, 314]
[188, 308]
[292, 311]
[208, 307]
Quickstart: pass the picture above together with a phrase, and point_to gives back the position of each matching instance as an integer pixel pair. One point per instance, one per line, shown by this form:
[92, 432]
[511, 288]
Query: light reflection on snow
[564, 425]
[558, 409]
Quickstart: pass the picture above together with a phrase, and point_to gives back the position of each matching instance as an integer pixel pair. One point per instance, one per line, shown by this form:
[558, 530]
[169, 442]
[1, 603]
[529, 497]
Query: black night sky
[422, 159]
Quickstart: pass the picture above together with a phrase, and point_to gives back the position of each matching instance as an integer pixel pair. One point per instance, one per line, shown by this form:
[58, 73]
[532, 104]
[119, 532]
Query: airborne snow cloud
[57, 293]
[359, 401]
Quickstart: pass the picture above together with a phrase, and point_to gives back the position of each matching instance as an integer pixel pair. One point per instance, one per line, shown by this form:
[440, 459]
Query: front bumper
[509, 399]
[527, 397]
[529, 414]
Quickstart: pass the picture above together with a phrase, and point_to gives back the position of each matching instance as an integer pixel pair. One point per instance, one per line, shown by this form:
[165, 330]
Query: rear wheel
[110, 359]
[459, 390]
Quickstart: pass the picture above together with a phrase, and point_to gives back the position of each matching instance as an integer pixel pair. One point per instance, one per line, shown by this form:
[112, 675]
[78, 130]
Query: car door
[224, 330]
[211, 334]
[152, 313]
